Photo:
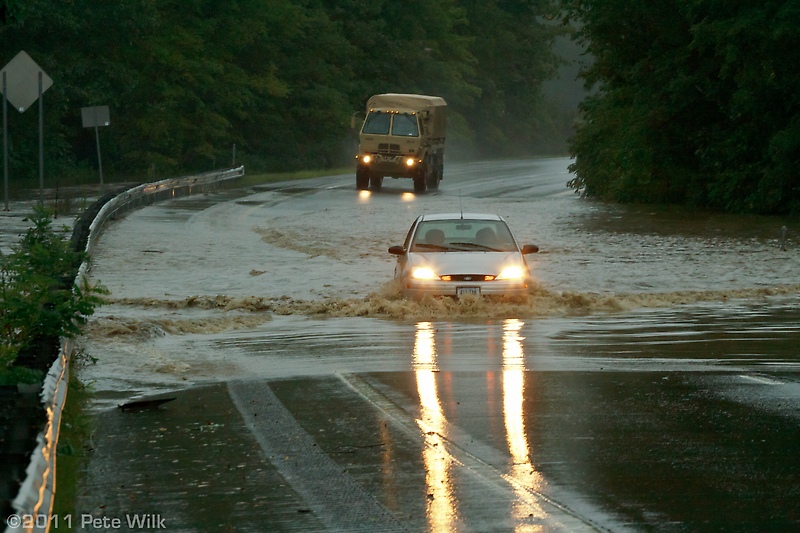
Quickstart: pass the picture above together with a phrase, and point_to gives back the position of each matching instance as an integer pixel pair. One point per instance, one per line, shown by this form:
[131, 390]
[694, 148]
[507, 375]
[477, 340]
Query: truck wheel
[362, 179]
[375, 182]
[420, 184]
[431, 177]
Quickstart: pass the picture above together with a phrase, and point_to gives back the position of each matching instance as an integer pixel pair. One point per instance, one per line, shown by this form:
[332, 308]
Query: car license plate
[464, 291]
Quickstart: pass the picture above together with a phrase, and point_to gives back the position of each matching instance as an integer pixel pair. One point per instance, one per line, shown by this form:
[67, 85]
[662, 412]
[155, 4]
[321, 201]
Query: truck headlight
[366, 158]
[410, 162]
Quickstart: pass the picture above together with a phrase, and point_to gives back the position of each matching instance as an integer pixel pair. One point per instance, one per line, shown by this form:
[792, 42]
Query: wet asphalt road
[681, 439]
[670, 417]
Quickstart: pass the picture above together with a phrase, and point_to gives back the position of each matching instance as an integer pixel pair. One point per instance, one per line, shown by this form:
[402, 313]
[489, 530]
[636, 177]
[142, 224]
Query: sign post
[24, 82]
[5, 139]
[94, 117]
[41, 140]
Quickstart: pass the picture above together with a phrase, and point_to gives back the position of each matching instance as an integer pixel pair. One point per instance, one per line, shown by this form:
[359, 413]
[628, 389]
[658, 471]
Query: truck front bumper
[395, 166]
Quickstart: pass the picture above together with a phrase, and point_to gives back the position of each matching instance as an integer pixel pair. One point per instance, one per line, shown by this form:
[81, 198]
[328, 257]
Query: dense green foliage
[696, 102]
[37, 296]
[186, 80]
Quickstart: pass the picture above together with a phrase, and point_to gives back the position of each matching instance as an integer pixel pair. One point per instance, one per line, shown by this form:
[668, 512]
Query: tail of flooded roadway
[650, 382]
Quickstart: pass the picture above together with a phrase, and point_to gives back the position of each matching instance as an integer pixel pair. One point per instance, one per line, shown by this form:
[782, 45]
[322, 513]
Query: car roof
[459, 216]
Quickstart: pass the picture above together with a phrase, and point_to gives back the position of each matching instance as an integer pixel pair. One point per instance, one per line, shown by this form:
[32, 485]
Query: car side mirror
[397, 250]
[529, 249]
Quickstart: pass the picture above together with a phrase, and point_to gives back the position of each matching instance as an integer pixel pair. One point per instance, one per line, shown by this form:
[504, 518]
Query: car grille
[389, 149]
[468, 277]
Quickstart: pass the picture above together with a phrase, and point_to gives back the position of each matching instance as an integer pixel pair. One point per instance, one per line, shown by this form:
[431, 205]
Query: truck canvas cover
[405, 101]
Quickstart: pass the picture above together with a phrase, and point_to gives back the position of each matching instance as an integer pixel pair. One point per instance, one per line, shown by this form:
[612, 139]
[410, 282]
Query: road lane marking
[467, 453]
[761, 380]
[337, 500]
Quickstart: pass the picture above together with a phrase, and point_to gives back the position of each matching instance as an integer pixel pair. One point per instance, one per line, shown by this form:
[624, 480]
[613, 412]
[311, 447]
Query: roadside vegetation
[691, 102]
[282, 80]
[38, 302]
[695, 102]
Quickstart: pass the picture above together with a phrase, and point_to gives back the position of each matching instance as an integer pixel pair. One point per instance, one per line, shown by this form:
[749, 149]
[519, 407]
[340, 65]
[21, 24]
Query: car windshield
[463, 236]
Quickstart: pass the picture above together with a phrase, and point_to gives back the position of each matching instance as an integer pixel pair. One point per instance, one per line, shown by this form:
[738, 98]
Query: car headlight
[512, 272]
[422, 273]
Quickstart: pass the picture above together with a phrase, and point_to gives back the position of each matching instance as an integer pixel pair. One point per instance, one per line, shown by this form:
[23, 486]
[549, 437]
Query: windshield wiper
[437, 247]
[473, 245]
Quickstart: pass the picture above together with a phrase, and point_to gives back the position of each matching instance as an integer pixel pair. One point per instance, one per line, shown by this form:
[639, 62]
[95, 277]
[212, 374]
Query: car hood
[456, 263]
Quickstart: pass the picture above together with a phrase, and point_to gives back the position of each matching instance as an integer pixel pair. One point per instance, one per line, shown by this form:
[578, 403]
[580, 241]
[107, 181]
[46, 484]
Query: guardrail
[148, 193]
[34, 502]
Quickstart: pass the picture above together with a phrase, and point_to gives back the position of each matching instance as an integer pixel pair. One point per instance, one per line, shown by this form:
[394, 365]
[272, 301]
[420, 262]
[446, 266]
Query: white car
[462, 254]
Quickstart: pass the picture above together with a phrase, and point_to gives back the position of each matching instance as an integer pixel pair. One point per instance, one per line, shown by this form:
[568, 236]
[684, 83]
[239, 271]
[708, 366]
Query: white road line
[761, 380]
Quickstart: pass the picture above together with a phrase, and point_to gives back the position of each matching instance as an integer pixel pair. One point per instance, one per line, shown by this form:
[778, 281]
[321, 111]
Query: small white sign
[95, 116]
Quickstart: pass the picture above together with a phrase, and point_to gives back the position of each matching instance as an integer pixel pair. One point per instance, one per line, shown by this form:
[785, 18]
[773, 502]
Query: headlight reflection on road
[522, 473]
[522, 476]
[441, 502]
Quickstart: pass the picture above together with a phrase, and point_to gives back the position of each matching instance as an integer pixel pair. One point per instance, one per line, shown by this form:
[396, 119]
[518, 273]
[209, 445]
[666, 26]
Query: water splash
[388, 303]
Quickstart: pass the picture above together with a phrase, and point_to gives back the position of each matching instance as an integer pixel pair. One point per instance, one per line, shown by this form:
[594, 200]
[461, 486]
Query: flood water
[546, 414]
[211, 266]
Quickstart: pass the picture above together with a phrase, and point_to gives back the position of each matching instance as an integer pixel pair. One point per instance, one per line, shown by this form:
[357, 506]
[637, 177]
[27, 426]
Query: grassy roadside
[74, 449]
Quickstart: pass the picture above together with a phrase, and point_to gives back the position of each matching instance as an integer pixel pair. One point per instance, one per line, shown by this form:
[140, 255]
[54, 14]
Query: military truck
[402, 137]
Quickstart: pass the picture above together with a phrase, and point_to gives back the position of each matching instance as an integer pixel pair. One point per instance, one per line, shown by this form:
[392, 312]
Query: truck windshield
[405, 125]
[377, 123]
[401, 124]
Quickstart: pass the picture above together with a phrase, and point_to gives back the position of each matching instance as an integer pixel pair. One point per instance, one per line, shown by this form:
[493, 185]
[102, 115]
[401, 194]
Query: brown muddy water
[223, 264]
[546, 413]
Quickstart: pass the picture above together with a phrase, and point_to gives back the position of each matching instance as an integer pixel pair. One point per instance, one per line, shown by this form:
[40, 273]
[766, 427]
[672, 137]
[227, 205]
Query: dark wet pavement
[193, 462]
[666, 420]
[495, 451]
[679, 433]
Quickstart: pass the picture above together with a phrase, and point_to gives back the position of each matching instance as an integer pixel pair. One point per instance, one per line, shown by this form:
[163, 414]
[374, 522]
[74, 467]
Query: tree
[694, 104]
[512, 42]
[421, 47]
[185, 80]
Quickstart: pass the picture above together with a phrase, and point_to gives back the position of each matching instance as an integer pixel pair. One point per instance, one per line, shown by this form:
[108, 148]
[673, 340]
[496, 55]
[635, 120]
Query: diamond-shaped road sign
[22, 81]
